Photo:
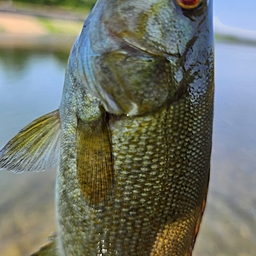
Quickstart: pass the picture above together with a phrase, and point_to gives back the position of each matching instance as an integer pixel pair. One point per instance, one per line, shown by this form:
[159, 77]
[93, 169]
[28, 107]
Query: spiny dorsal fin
[94, 163]
[35, 147]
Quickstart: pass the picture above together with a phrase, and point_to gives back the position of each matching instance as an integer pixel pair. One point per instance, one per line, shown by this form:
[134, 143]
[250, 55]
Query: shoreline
[53, 43]
[39, 32]
[45, 11]
[56, 29]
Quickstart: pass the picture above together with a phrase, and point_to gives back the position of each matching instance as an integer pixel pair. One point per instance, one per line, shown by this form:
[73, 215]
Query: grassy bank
[53, 11]
[58, 26]
[40, 29]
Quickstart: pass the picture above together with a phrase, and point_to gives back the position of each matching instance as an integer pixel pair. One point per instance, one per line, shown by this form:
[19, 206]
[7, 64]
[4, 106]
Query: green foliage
[76, 3]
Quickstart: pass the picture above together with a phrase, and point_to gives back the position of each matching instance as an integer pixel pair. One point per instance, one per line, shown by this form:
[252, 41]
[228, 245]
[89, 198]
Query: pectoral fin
[94, 162]
[35, 147]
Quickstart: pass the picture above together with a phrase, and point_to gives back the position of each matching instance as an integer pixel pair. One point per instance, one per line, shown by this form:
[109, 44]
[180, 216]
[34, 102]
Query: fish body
[133, 131]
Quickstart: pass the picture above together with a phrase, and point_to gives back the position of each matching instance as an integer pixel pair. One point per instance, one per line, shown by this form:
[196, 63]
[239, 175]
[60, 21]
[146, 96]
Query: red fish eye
[188, 4]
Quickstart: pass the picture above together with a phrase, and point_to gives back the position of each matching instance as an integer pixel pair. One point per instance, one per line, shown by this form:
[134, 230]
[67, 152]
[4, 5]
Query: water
[229, 224]
[31, 85]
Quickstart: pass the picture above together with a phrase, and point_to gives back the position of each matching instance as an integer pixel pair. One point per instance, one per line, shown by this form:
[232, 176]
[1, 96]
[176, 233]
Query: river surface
[31, 85]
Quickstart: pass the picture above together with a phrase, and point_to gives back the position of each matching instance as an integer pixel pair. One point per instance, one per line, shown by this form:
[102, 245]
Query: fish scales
[158, 199]
[133, 132]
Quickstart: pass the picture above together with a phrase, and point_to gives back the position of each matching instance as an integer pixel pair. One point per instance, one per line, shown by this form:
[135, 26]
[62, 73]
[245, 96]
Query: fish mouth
[139, 48]
[132, 47]
[136, 48]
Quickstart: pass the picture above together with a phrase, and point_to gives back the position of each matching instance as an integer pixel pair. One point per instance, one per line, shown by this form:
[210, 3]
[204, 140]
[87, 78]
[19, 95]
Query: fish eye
[189, 4]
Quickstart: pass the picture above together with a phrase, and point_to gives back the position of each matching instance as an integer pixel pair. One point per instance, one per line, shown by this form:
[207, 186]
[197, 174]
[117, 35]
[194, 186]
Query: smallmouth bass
[132, 136]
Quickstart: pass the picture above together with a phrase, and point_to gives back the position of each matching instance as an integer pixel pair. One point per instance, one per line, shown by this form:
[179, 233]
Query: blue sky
[236, 13]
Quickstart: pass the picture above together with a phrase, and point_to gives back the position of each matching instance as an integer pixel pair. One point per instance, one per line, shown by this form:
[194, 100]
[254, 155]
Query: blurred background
[35, 40]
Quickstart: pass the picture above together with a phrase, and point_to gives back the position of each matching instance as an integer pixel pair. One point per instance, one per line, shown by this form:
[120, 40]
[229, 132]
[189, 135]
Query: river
[31, 85]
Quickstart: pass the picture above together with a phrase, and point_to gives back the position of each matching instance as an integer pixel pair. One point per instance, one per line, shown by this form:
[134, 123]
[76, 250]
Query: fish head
[158, 27]
[134, 55]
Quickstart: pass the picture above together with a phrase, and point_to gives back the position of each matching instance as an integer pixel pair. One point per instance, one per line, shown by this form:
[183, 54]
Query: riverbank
[41, 32]
[55, 29]
[46, 11]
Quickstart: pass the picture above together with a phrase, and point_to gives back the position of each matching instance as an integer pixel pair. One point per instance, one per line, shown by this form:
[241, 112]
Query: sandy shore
[25, 32]
[21, 25]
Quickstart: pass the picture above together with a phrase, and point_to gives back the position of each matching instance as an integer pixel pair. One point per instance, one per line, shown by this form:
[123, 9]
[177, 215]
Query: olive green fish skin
[156, 99]
[133, 133]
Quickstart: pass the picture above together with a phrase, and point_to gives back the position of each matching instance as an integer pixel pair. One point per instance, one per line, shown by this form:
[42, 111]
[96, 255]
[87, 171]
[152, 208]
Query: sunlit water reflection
[31, 85]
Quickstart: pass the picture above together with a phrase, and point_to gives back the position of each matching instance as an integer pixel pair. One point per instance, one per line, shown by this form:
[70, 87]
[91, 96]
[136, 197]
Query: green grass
[81, 11]
[61, 26]
[234, 40]
[65, 4]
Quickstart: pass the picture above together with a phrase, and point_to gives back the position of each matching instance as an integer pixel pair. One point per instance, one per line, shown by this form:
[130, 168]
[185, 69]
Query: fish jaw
[158, 27]
[135, 62]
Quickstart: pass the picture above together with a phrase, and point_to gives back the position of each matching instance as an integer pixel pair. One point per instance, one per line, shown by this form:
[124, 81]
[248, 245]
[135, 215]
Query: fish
[132, 137]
